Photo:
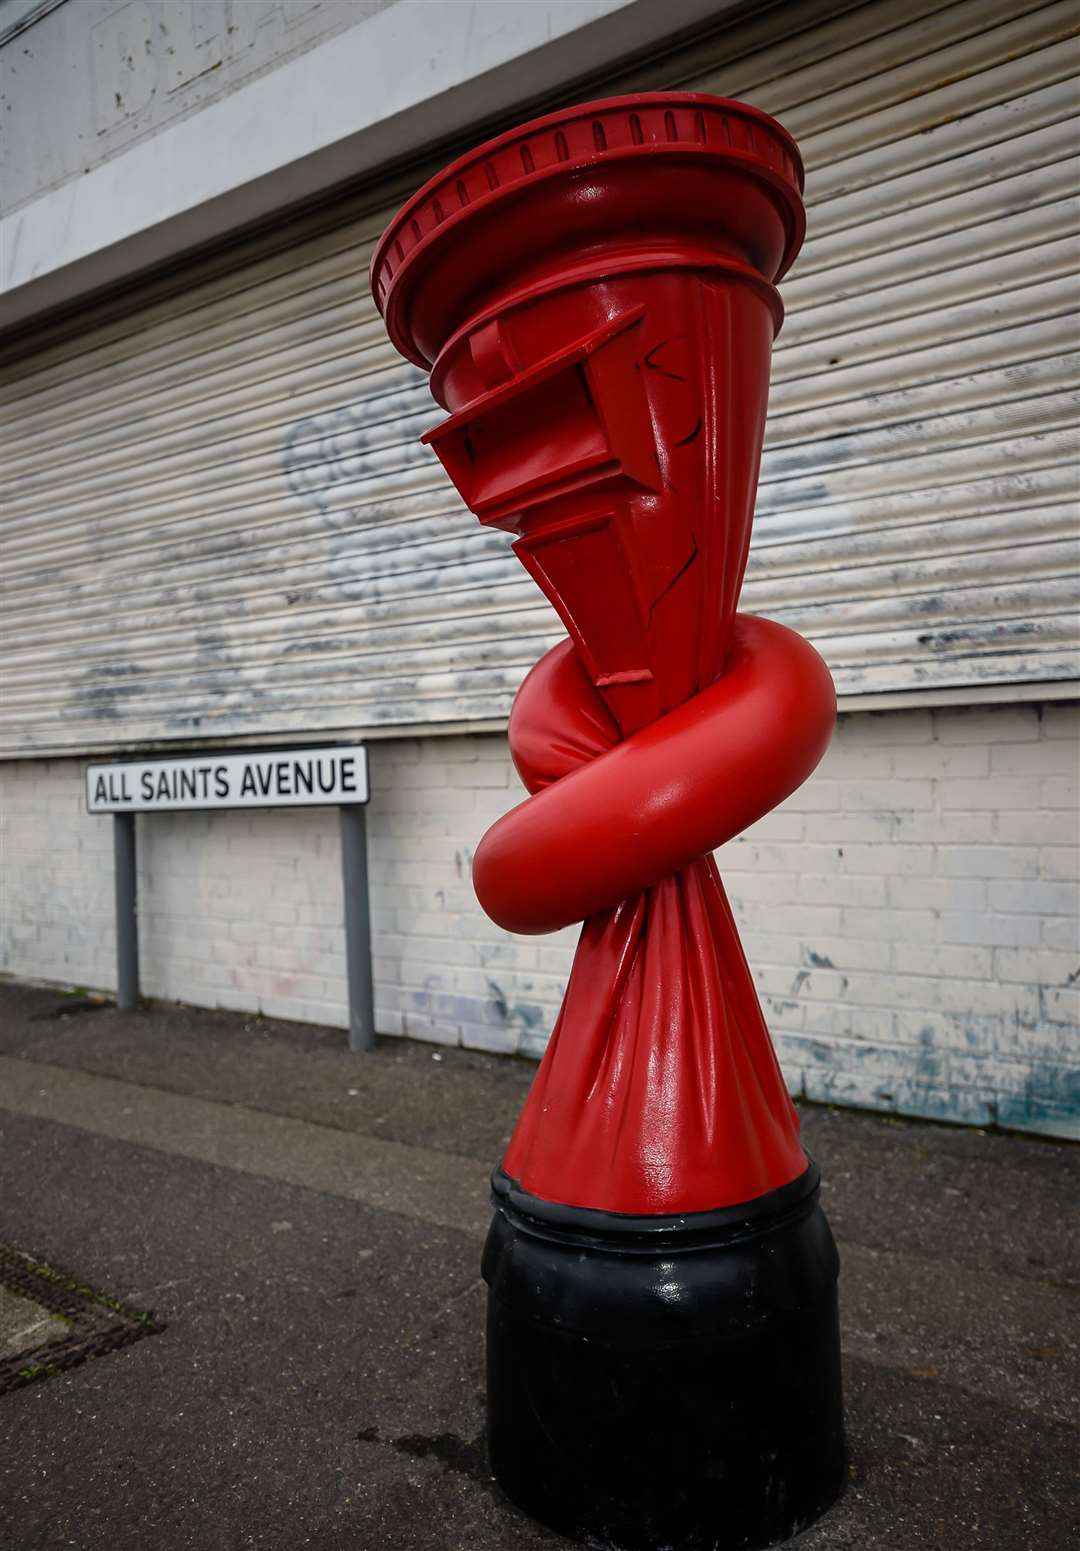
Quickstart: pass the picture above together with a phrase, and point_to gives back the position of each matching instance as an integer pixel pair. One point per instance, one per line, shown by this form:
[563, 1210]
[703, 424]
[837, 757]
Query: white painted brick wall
[910, 915]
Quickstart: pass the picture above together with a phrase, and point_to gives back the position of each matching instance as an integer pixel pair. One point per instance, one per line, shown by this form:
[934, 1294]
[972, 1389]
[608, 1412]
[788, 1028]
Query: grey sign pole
[354, 872]
[127, 927]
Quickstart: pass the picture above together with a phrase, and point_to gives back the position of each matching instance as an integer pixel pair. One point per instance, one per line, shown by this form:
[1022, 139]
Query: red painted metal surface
[594, 295]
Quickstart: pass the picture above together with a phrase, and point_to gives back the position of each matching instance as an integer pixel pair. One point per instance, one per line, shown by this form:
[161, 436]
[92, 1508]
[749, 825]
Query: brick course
[910, 914]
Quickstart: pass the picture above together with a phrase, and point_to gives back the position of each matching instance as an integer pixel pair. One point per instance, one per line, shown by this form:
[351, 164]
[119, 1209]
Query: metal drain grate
[76, 1321]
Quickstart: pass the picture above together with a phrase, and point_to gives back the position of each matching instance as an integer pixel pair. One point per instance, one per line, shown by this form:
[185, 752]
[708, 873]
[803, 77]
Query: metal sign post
[127, 916]
[269, 778]
[354, 873]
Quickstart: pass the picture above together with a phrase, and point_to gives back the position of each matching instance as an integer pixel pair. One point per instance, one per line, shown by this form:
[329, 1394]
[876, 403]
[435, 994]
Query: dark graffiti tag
[376, 437]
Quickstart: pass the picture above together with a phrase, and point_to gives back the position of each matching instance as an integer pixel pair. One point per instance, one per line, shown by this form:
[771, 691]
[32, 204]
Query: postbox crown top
[647, 125]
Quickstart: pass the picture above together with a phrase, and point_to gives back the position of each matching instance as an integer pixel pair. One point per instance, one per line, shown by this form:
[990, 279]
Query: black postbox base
[665, 1382]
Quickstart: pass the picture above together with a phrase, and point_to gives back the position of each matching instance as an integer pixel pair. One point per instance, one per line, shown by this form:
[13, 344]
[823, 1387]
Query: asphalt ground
[309, 1223]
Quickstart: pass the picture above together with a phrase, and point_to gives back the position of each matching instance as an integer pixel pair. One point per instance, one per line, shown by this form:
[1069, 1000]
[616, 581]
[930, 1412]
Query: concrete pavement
[309, 1225]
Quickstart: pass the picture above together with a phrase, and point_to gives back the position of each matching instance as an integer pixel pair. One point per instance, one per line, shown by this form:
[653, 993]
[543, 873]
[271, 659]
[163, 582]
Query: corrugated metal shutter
[219, 522]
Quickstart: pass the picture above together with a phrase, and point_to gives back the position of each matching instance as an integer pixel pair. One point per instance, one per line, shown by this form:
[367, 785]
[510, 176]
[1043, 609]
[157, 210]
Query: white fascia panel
[413, 73]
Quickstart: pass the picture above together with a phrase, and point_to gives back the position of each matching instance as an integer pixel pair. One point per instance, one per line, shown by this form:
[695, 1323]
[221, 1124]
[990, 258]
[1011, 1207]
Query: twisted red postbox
[594, 295]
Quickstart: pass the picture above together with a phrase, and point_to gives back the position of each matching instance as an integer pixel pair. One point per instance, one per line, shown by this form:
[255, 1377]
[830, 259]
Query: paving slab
[448, 1100]
[319, 1381]
[24, 1325]
[436, 1187]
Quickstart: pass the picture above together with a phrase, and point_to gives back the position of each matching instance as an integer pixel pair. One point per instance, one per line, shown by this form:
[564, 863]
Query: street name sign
[266, 778]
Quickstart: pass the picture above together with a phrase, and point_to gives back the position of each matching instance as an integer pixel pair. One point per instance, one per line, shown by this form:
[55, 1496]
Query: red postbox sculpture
[594, 296]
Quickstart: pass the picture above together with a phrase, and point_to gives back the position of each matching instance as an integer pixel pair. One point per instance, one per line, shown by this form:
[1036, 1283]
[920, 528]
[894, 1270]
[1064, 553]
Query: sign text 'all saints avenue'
[267, 778]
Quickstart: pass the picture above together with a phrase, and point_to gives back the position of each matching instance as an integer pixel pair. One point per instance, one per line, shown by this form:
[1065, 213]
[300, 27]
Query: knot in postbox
[595, 297]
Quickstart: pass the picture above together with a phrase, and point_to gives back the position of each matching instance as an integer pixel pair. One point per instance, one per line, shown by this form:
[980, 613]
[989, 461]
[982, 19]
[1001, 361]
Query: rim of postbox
[603, 132]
